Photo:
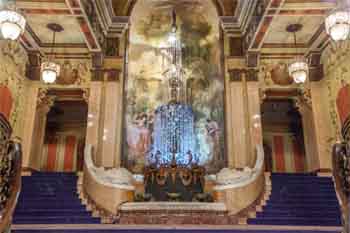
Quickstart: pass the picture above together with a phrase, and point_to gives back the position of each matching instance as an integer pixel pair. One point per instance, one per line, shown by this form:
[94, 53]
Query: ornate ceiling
[260, 24]
[77, 40]
[273, 39]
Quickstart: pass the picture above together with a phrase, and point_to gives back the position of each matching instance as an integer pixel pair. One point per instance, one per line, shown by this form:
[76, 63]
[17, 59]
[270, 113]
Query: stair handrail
[250, 176]
[100, 174]
[15, 186]
[341, 174]
[11, 163]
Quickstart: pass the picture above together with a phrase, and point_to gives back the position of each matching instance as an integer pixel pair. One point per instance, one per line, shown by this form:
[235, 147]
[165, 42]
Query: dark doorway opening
[65, 133]
[283, 136]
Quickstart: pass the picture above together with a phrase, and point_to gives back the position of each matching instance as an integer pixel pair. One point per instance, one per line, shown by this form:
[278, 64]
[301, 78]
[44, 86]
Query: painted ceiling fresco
[146, 89]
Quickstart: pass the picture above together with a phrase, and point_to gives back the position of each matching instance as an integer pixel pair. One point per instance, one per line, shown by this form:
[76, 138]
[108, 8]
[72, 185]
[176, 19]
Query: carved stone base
[174, 213]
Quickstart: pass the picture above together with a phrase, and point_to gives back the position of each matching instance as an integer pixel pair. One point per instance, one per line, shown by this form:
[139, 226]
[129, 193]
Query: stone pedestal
[174, 213]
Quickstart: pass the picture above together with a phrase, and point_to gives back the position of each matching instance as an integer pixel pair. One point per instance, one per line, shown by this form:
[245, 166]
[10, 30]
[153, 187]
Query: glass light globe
[12, 24]
[338, 24]
[172, 37]
[49, 72]
[299, 76]
[299, 70]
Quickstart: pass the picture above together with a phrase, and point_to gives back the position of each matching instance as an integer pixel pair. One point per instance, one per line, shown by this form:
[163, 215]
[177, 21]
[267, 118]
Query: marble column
[236, 114]
[228, 125]
[29, 122]
[310, 141]
[111, 145]
[253, 118]
[93, 135]
[322, 124]
[39, 135]
[105, 120]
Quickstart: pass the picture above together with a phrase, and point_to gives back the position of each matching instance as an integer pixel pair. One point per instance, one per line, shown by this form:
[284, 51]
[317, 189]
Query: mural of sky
[146, 87]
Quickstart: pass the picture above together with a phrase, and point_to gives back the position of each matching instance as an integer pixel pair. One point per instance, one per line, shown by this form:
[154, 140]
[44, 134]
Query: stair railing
[10, 174]
[341, 175]
[104, 190]
[234, 186]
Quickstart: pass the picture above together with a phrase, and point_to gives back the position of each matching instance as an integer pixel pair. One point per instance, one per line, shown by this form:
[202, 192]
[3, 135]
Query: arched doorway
[146, 88]
[283, 136]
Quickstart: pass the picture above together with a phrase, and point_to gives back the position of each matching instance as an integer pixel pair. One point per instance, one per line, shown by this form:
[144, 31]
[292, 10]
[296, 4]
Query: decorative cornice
[236, 75]
[109, 75]
[112, 25]
[316, 72]
[256, 19]
[237, 25]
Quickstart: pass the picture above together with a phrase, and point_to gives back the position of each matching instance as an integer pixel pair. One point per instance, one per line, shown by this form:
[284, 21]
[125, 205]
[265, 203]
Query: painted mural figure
[138, 137]
[343, 101]
[214, 138]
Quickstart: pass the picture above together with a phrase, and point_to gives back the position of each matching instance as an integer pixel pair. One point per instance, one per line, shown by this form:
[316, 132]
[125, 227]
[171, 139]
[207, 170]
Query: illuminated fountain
[174, 136]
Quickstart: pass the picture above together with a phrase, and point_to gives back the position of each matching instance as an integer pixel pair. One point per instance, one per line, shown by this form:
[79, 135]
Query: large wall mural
[146, 89]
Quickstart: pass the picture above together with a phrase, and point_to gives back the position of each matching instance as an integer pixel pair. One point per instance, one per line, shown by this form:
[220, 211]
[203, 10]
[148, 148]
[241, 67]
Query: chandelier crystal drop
[174, 122]
[338, 24]
[12, 24]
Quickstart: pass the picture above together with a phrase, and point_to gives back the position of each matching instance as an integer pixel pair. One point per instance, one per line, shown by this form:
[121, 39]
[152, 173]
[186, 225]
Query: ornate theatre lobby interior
[175, 116]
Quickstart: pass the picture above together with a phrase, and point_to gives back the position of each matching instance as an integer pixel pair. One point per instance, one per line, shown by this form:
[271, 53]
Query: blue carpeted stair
[51, 198]
[300, 200]
[171, 231]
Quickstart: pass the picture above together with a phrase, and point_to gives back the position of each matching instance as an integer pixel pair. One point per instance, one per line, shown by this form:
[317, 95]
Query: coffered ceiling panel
[277, 31]
[71, 34]
[78, 37]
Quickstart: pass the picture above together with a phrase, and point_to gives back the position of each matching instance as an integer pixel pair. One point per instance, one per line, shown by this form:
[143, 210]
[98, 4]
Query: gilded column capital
[44, 100]
[86, 94]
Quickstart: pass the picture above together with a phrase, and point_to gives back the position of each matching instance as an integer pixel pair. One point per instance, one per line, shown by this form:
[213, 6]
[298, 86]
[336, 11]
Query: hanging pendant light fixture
[337, 23]
[50, 70]
[12, 22]
[298, 68]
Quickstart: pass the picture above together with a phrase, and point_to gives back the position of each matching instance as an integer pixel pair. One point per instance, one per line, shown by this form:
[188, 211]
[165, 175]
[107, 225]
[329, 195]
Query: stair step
[301, 200]
[56, 220]
[51, 198]
[168, 231]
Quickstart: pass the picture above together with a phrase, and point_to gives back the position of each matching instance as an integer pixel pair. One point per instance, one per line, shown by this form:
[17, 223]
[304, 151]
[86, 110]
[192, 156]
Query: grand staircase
[51, 198]
[298, 203]
[300, 200]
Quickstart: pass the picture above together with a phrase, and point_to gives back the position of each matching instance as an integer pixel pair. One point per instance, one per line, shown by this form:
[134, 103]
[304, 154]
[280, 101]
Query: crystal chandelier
[338, 24]
[299, 67]
[50, 70]
[12, 23]
[174, 122]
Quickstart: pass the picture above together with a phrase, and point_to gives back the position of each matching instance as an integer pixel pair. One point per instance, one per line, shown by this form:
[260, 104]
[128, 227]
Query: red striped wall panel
[279, 153]
[60, 154]
[287, 153]
[5, 101]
